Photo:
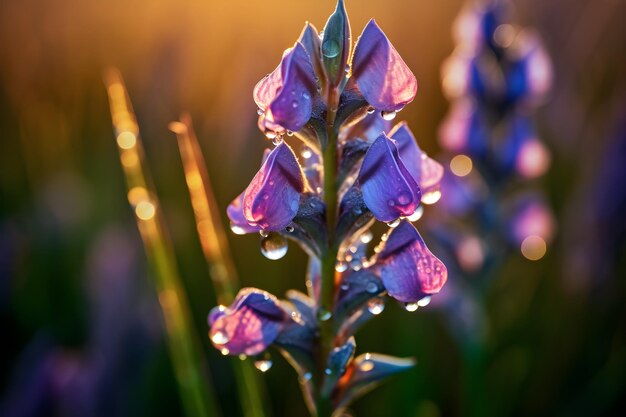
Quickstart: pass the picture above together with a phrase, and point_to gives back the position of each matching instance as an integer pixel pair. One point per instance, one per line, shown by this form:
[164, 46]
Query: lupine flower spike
[334, 102]
[496, 76]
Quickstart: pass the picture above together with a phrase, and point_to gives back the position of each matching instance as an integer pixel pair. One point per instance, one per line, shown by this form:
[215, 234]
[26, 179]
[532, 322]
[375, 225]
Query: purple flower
[409, 270]
[249, 325]
[389, 190]
[286, 95]
[425, 171]
[272, 198]
[380, 73]
[238, 222]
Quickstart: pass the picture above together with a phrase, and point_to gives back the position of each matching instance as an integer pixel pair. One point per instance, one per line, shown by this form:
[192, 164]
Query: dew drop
[367, 237]
[323, 315]
[263, 365]
[306, 95]
[290, 229]
[219, 338]
[259, 112]
[388, 115]
[371, 287]
[270, 134]
[345, 286]
[294, 104]
[431, 197]
[328, 371]
[423, 302]
[274, 246]
[306, 153]
[224, 351]
[411, 307]
[277, 140]
[330, 48]
[289, 133]
[367, 366]
[394, 223]
[307, 376]
[376, 306]
[341, 266]
[417, 214]
[370, 110]
[264, 233]
[404, 199]
[238, 230]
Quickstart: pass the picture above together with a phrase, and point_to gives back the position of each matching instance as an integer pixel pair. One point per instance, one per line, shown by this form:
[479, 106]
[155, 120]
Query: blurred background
[82, 327]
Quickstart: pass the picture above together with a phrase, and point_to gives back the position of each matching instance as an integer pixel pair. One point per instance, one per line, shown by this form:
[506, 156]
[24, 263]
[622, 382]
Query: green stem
[329, 257]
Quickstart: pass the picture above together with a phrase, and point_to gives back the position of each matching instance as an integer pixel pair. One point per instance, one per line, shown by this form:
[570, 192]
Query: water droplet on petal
[238, 230]
[417, 214]
[294, 104]
[224, 351]
[431, 197]
[341, 266]
[370, 110]
[270, 134]
[411, 307]
[371, 287]
[330, 48]
[306, 96]
[306, 153]
[289, 133]
[423, 302]
[290, 229]
[394, 223]
[376, 306]
[274, 246]
[264, 233]
[367, 237]
[259, 112]
[219, 338]
[345, 286]
[404, 199]
[323, 315]
[263, 365]
[366, 366]
[388, 115]
[277, 140]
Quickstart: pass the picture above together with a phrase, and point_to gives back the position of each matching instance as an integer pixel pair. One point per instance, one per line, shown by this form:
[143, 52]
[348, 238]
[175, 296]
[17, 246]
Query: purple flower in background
[249, 325]
[408, 269]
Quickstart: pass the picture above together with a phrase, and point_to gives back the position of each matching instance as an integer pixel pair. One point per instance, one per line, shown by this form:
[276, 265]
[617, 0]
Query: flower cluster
[496, 77]
[354, 168]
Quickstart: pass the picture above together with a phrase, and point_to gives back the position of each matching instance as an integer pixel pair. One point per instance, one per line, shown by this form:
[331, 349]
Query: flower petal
[238, 222]
[389, 190]
[272, 198]
[287, 99]
[408, 269]
[250, 324]
[425, 171]
[382, 76]
[310, 39]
